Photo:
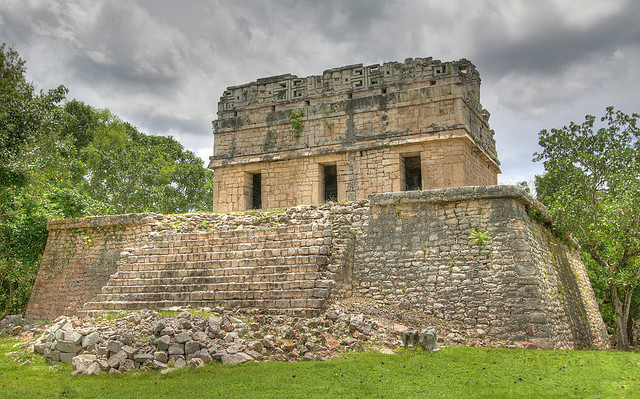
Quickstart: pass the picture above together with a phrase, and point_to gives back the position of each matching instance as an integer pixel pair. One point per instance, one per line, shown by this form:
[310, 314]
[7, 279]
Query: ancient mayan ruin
[373, 183]
[353, 131]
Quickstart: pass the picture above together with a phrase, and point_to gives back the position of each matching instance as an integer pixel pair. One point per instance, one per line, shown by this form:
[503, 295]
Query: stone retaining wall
[484, 257]
[79, 258]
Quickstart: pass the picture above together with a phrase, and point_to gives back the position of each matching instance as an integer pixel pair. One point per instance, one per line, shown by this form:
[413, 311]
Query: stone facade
[80, 256]
[351, 132]
[476, 255]
[484, 257]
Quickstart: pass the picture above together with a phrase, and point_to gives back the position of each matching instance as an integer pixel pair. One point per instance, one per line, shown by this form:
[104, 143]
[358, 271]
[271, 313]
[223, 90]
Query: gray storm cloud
[163, 67]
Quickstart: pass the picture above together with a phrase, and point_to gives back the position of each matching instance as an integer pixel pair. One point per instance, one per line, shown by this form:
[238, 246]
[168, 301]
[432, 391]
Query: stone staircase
[278, 269]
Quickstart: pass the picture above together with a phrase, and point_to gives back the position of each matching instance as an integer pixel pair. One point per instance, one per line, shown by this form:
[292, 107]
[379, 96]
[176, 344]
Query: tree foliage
[129, 171]
[592, 186]
[67, 159]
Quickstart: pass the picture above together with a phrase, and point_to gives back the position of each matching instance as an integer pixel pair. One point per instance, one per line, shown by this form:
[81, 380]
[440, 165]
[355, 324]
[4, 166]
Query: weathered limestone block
[115, 360]
[82, 362]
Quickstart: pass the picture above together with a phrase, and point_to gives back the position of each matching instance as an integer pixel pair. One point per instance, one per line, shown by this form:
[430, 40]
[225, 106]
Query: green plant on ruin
[479, 237]
[88, 240]
[296, 122]
[562, 292]
[328, 123]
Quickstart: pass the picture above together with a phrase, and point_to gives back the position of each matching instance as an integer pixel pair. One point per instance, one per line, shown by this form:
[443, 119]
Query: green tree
[129, 171]
[61, 161]
[31, 155]
[592, 186]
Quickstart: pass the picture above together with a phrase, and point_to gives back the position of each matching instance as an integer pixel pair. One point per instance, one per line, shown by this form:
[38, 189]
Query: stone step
[315, 303]
[214, 272]
[230, 237]
[162, 248]
[221, 279]
[277, 269]
[222, 256]
[223, 263]
[274, 241]
[215, 295]
[230, 301]
[168, 286]
[313, 308]
[239, 234]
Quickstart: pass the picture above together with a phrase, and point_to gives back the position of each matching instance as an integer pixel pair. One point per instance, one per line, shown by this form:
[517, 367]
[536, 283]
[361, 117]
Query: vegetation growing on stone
[479, 237]
[296, 122]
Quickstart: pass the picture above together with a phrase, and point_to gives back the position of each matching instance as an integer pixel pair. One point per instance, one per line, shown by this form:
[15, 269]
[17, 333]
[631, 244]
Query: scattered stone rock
[176, 349]
[66, 357]
[90, 339]
[160, 356]
[180, 363]
[14, 319]
[158, 327]
[159, 365]
[72, 336]
[195, 363]
[191, 347]
[104, 365]
[67, 346]
[127, 365]
[143, 357]
[163, 343]
[168, 331]
[115, 360]
[202, 354]
[146, 340]
[234, 359]
[94, 369]
[182, 338]
[114, 346]
[82, 362]
[330, 341]
[126, 338]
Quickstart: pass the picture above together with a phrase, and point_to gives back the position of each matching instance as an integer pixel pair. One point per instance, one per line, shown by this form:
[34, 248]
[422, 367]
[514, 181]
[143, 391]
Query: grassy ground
[456, 372]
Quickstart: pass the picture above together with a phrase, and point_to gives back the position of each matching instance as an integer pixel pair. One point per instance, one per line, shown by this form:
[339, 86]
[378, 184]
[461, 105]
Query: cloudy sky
[162, 65]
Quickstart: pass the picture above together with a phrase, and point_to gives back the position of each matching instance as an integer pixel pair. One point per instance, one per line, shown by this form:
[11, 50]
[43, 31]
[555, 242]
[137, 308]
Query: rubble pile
[147, 339]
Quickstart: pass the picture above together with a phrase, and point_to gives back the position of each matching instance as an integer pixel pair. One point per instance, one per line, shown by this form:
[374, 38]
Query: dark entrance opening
[330, 183]
[412, 173]
[256, 191]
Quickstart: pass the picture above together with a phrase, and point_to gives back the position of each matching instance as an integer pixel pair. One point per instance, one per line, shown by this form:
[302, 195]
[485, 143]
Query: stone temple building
[428, 230]
[351, 132]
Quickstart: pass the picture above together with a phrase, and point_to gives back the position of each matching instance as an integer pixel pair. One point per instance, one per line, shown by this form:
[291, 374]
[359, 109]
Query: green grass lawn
[455, 372]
